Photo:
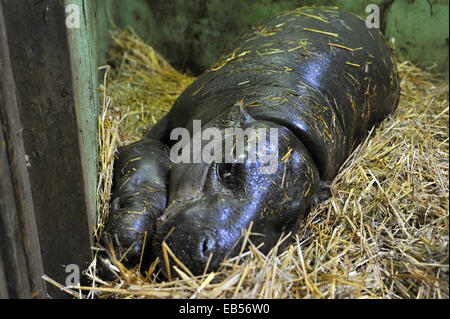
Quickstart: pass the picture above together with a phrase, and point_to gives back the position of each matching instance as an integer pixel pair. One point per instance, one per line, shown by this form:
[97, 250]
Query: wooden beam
[83, 60]
[15, 179]
[3, 285]
[12, 256]
[43, 137]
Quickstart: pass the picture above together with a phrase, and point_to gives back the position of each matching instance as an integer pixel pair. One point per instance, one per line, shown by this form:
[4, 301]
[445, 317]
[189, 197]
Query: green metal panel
[193, 34]
[111, 14]
[420, 29]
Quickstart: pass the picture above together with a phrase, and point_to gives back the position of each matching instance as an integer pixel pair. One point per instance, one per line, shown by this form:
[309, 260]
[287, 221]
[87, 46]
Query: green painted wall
[420, 29]
[193, 34]
[83, 56]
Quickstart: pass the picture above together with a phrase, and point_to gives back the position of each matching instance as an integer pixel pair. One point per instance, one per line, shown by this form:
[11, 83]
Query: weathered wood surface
[3, 287]
[15, 179]
[13, 266]
[43, 141]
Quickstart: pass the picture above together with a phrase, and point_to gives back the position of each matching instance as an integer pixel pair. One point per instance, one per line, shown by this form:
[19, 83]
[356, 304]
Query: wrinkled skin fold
[319, 76]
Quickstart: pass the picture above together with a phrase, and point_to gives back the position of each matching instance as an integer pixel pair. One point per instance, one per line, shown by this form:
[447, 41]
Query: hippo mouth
[198, 235]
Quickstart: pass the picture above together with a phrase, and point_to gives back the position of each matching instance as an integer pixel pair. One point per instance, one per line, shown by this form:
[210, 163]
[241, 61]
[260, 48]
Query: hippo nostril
[207, 246]
[204, 246]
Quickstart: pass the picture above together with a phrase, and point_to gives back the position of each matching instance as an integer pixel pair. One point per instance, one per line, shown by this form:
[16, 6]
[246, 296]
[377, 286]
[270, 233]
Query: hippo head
[212, 202]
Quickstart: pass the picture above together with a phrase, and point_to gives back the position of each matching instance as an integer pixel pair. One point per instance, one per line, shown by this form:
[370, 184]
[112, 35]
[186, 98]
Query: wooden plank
[83, 57]
[11, 247]
[3, 287]
[18, 180]
[37, 44]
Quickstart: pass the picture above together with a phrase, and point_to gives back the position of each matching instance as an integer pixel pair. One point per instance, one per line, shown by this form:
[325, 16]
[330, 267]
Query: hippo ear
[236, 116]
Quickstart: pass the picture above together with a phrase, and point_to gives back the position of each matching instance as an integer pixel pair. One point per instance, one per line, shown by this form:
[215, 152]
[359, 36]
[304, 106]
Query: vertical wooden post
[14, 275]
[83, 60]
[3, 286]
[47, 141]
[21, 257]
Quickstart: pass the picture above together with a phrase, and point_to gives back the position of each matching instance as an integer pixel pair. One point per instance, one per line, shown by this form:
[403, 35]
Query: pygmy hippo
[318, 79]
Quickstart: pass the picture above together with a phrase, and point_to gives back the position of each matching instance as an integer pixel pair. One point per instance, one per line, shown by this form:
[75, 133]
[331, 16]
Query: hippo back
[319, 72]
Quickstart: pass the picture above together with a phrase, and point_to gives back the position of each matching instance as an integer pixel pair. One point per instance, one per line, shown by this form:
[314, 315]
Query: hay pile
[383, 234]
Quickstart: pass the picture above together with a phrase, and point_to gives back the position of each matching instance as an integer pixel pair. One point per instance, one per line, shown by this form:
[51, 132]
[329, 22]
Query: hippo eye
[226, 172]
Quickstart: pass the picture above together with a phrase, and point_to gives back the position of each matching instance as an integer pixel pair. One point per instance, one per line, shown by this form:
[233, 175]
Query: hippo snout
[194, 248]
[197, 237]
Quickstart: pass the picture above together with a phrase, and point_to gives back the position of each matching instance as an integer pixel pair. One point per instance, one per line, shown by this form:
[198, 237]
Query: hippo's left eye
[226, 172]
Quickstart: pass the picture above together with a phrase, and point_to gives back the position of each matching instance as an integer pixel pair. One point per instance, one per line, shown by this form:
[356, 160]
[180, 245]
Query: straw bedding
[383, 233]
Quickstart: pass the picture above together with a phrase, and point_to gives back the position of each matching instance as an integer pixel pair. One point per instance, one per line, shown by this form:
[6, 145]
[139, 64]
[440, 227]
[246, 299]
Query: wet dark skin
[318, 75]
